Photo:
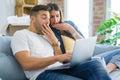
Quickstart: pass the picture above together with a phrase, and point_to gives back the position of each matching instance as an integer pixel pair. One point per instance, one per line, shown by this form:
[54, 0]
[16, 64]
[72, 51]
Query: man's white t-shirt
[38, 46]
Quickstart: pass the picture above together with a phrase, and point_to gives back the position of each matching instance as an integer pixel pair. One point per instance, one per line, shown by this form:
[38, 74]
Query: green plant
[110, 28]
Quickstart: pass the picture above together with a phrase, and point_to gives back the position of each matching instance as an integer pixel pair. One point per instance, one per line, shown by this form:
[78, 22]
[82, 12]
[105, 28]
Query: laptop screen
[83, 50]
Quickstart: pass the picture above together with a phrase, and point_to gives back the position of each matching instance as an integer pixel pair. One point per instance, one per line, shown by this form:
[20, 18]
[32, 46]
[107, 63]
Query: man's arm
[32, 63]
[57, 49]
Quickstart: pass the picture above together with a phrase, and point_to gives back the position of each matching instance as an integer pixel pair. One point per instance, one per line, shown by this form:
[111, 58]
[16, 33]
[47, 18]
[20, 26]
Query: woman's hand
[46, 30]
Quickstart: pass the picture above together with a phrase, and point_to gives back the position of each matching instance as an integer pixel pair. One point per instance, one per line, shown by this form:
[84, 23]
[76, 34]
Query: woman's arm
[67, 27]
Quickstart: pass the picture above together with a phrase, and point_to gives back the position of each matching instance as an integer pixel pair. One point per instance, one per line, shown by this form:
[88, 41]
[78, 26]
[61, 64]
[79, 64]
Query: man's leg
[55, 75]
[109, 54]
[89, 70]
[114, 63]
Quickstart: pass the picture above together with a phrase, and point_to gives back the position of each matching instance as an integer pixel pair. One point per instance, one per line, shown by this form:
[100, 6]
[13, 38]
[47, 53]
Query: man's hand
[46, 30]
[64, 57]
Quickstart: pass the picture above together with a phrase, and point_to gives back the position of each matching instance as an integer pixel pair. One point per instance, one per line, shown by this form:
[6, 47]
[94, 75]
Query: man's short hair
[38, 8]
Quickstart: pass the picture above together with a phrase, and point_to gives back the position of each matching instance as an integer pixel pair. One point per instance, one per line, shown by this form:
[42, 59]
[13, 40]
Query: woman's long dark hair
[54, 6]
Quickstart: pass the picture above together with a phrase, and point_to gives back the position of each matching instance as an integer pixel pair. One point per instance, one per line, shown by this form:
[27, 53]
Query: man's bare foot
[111, 67]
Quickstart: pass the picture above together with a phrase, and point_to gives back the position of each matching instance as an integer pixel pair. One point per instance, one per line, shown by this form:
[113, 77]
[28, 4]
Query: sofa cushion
[115, 75]
[100, 48]
[10, 69]
[68, 43]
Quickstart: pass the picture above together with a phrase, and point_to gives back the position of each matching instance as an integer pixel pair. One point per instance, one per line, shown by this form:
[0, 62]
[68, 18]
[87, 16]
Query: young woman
[70, 29]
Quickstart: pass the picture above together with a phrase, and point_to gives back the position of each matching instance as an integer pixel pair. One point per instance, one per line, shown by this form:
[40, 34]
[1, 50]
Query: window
[114, 6]
[78, 12]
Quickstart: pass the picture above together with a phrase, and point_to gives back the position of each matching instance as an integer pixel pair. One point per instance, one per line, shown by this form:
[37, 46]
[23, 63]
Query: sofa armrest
[10, 69]
[100, 48]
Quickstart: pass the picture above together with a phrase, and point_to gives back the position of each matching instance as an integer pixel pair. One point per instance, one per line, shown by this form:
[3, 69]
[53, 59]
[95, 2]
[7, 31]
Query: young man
[37, 50]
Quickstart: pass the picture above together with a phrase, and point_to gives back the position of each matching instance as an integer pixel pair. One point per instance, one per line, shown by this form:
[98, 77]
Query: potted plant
[111, 30]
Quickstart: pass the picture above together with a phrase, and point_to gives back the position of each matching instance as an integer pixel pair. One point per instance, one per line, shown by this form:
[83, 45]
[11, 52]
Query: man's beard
[38, 30]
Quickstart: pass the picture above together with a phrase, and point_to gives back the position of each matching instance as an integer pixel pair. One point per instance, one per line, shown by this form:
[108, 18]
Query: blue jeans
[88, 70]
[111, 56]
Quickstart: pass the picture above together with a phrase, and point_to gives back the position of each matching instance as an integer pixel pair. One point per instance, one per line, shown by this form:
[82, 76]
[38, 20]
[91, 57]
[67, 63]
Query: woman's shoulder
[69, 22]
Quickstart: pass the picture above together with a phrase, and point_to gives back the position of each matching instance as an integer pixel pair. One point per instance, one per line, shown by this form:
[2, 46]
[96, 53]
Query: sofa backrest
[5, 45]
[10, 69]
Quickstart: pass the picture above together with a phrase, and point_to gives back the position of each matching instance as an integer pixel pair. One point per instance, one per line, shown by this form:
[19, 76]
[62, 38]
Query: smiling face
[54, 17]
[39, 20]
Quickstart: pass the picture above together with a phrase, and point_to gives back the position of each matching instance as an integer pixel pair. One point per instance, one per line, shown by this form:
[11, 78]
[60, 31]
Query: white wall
[78, 12]
[40, 1]
[7, 8]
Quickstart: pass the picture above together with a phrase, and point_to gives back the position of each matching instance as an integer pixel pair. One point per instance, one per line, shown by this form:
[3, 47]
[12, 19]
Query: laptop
[83, 50]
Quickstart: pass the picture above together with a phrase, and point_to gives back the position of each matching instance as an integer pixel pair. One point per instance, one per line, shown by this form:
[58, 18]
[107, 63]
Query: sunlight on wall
[78, 12]
[115, 6]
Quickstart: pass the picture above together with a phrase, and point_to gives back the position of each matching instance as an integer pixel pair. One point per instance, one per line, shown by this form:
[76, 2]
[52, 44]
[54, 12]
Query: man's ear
[32, 18]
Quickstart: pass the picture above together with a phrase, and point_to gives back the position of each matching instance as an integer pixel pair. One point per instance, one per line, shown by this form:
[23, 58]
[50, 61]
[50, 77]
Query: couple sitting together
[41, 47]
